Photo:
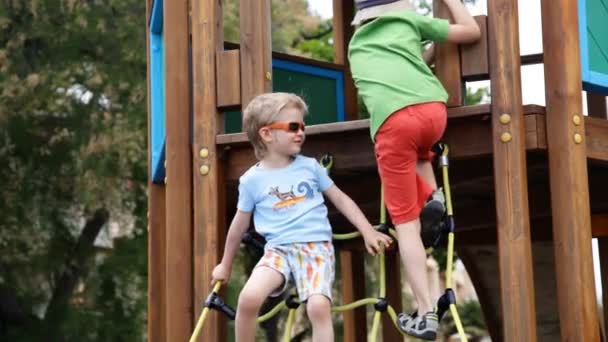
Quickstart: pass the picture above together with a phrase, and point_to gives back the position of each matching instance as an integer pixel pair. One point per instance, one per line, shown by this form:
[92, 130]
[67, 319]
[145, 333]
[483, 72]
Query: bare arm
[465, 29]
[238, 227]
[429, 54]
[374, 241]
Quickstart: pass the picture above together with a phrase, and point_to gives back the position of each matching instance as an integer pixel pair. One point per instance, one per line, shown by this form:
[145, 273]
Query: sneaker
[431, 217]
[423, 327]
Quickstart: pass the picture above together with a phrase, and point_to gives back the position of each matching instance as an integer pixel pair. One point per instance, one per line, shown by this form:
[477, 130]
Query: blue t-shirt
[287, 203]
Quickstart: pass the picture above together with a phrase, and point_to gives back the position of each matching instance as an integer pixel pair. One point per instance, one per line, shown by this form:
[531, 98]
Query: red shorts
[404, 138]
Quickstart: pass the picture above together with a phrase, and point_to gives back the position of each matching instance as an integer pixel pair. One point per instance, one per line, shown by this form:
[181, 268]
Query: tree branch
[76, 265]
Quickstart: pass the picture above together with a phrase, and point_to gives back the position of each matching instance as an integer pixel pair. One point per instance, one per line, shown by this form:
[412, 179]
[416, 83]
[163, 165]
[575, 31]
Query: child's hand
[376, 242]
[220, 273]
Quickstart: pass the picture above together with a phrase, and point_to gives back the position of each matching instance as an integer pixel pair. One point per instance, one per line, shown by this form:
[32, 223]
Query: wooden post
[602, 244]
[352, 274]
[352, 264]
[393, 295]
[179, 263]
[596, 105]
[343, 15]
[256, 49]
[447, 62]
[568, 172]
[510, 176]
[156, 232]
[207, 171]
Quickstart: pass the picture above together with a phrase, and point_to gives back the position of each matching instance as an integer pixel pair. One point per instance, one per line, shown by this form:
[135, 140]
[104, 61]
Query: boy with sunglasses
[284, 193]
[408, 115]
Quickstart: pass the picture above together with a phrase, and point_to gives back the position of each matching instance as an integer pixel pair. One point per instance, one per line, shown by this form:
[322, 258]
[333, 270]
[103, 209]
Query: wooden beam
[156, 230]
[179, 264]
[256, 47]
[490, 310]
[228, 78]
[352, 275]
[596, 106]
[393, 294]
[468, 138]
[474, 57]
[596, 133]
[447, 62]
[510, 174]
[342, 29]
[568, 172]
[602, 244]
[207, 171]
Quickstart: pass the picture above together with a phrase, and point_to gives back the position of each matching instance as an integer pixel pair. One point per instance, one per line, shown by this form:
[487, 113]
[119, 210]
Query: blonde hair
[262, 111]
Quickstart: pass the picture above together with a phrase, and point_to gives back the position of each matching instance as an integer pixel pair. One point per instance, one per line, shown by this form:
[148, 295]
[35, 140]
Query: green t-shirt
[386, 62]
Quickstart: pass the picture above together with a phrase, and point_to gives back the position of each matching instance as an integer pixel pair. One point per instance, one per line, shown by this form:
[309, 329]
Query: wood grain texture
[510, 174]
[209, 204]
[179, 260]
[447, 62]
[256, 47]
[568, 172]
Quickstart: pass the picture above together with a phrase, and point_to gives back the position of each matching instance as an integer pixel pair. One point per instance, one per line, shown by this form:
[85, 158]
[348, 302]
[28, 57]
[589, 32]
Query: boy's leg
[425, 169]
[262, 282]
[318, 308]
[413, 257]
[312, 265]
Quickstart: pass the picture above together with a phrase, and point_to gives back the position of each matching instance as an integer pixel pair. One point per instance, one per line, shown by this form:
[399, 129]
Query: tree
[72, 126]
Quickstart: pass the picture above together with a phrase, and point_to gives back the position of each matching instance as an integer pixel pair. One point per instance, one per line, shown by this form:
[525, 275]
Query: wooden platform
[469, 136]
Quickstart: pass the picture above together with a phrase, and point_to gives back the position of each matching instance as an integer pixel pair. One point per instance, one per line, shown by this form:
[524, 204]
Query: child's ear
[265, 134]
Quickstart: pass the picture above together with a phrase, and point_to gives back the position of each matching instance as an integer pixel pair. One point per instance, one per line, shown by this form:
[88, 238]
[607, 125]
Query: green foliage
[72, 142]
[480, 95]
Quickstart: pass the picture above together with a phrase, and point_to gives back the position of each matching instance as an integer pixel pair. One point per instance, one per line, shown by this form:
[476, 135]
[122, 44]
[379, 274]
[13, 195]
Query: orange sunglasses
[293, 126]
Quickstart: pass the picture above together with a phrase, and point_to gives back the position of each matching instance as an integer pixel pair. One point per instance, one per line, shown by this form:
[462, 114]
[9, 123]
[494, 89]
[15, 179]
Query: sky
[532, 79]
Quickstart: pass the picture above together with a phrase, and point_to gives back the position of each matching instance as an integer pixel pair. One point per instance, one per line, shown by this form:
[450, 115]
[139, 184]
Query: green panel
[597, 28]
[318, 92]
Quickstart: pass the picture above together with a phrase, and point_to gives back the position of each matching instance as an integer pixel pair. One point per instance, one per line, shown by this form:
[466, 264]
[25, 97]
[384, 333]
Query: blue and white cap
[369, 9]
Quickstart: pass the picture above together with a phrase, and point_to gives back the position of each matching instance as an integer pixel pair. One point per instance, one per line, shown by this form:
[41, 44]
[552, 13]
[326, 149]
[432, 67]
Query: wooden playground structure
[528, 181]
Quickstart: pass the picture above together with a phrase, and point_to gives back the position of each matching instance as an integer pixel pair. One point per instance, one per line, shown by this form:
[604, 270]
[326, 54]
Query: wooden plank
[468, 138]
[596, 105]
[156, 230]
[179, 263]
[596, 131]
[352, 275]
[157, 273]
[474, 57]
[481, 111]
[510, 174]
[228, 78]
[343, 15]
[447, 62]
[256, 68]
[568, 172]
[599, 224]
[602, 244]
[393, 295]
[489, 307]
[209, 197]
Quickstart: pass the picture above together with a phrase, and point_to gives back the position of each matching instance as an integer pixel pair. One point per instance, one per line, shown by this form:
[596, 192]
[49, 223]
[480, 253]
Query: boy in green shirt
[407, 110]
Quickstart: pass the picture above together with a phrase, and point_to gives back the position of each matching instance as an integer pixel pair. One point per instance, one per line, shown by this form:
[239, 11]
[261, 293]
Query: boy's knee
[318, 308]
[249, 301]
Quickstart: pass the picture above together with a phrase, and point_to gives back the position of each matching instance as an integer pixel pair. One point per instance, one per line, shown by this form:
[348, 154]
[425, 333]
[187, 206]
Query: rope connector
[214, 302]
[383, 228]
[382, 304]
[291, 302]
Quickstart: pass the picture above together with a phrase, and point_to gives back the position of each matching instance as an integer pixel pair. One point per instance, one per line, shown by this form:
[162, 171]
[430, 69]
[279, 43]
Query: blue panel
[592, 81]
[318, 71]
[156, 17]
[157, 94]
